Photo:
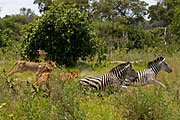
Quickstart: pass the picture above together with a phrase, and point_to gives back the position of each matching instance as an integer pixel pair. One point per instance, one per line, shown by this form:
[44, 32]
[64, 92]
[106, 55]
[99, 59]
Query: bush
[63, 32]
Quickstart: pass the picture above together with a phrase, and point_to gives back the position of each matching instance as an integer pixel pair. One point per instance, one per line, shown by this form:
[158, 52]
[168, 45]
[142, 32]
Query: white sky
[151, 2]
[9, 7]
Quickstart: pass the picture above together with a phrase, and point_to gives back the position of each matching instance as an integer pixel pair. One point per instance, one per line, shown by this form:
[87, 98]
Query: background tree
[112, 17]
[43, 5]
[175, 26]
[10, 27]
[63, 32]
[28, 13]
[82, 4]
[162, 13]
[133, 10]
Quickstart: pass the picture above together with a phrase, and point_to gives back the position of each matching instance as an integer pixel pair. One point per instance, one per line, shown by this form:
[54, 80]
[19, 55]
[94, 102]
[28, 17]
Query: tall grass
[67, 101]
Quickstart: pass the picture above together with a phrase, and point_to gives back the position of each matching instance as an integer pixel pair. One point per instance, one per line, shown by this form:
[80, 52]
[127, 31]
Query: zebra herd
[124, 75]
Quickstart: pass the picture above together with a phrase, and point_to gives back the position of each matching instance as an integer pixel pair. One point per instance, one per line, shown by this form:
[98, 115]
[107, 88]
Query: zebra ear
[129, 63]
[162, 58]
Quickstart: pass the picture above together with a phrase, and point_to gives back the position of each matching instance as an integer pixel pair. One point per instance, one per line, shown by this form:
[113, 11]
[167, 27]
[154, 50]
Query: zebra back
[123, 71]
[159, 64]
[99, 82]
[155, 62]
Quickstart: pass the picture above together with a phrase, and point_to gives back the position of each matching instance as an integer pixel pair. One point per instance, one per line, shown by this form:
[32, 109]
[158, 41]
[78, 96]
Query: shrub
[63, 32]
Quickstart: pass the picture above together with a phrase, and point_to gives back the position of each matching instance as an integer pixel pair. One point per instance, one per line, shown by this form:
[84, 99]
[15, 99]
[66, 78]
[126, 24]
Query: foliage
[162, 13]
[14, 23]
[10, 27]
[43, 5]
[112, 10]
[63, 32]
[18, 100]
[175, 23]
[148, 104]
[67, 101]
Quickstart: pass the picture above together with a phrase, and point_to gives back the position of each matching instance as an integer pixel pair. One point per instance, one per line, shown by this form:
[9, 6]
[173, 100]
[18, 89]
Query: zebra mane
[159, 59]
[120, 67]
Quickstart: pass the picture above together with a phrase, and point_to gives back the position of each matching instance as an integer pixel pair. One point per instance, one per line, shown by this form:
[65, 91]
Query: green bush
[63, 32]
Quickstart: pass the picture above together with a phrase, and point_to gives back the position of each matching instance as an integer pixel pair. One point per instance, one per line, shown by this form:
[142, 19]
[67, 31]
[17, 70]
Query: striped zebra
[148, 76]
[114, 77]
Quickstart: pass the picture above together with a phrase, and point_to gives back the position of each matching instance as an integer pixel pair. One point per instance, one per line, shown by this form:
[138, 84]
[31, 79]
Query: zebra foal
[115, 77]
[148, 76]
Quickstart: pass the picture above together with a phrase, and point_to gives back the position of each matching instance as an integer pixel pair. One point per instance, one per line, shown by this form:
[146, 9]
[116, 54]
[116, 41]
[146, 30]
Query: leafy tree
[133, 10]
[175, 26]
[28, 13]
[43, 5]
[1, 31]
[14, 22]
[82, 4]
[161, 14]
[10, 27]
[111, 17]
[63, 32]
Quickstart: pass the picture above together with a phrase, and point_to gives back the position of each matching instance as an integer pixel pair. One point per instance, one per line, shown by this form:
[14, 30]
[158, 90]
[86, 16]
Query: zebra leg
[157, 82]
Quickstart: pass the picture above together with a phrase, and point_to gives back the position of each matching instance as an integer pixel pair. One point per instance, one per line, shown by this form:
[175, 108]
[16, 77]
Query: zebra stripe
[99, 82]
[148, 76]
[115, 77]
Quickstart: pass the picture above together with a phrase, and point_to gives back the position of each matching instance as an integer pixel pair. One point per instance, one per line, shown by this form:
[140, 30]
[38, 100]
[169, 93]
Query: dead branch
[113, 62]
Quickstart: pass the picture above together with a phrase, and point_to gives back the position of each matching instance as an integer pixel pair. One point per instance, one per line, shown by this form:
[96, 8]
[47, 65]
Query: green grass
[19, 101]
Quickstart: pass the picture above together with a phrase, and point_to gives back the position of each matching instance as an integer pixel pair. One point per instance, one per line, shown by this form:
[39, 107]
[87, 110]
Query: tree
[161, 15]
[28, 13]
[14, 23]
[43, 5]
[10, 27]
[133, 10]
[63, 32]
[82, 4]
[175, 26]
[111, 17]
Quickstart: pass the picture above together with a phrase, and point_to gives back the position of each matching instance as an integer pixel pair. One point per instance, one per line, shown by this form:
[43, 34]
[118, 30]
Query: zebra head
[130, 73]
[159, 64]
[124, 71]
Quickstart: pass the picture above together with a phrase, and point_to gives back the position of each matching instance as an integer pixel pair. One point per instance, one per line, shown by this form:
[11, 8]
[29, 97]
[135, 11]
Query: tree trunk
[165, 35]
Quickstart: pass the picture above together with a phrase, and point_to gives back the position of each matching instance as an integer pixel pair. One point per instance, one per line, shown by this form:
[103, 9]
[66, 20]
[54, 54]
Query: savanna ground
[68, 101]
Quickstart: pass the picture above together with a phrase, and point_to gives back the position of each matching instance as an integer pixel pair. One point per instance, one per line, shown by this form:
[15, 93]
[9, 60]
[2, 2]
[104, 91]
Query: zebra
[114, 77]
[148, 76]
